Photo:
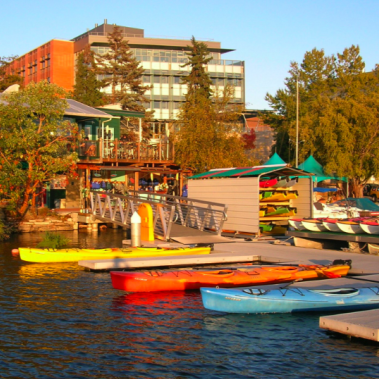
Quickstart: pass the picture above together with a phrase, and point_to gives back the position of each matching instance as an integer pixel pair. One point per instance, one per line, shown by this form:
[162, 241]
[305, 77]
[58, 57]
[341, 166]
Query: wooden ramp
[363, 324]
[190, 236]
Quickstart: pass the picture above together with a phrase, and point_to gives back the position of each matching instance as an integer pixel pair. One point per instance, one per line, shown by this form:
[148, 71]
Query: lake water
[59, 321]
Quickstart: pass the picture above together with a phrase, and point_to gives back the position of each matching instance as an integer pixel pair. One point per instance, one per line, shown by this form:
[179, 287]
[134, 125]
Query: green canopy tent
[311, 165]
[275, 160]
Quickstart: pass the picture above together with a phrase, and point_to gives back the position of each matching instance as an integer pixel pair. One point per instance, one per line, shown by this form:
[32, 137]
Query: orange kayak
[152, 281]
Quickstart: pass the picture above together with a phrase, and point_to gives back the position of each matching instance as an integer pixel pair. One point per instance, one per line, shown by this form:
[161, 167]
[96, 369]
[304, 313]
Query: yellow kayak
[75, 255]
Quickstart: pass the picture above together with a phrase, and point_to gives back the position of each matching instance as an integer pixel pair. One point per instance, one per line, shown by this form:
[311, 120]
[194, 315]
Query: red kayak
[151, 281]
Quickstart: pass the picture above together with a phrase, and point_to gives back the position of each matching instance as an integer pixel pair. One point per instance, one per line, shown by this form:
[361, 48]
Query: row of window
[150, 79]
[152, 53]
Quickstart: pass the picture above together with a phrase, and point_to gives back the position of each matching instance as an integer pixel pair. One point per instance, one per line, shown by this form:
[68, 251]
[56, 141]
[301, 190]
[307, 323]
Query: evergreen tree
[87, 87]
[339, 113]
[7, 79]
[207, 137]
[122, 72]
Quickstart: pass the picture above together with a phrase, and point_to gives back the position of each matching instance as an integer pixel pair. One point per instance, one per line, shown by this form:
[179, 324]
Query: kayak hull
[314, 225]
[153, 281]
[287, 300]
[74, 255]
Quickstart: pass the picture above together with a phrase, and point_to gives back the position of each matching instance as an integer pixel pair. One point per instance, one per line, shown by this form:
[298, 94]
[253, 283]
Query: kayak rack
[174, 216]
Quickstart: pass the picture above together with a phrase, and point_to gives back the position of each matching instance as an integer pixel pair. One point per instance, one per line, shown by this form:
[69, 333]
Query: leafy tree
[87, 87]
[122, 72]
[338, 113]
[7, 79]
[208, 135]
[33, 141]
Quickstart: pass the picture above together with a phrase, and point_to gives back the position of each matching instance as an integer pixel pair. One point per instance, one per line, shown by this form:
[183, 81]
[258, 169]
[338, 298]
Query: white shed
[241, 190]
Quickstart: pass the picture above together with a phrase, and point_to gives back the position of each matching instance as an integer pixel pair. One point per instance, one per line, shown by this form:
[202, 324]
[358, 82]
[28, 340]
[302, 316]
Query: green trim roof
[122, 113]
[237, 172]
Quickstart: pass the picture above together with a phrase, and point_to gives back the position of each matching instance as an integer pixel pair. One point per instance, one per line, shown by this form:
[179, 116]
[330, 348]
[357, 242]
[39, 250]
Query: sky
[266, 34]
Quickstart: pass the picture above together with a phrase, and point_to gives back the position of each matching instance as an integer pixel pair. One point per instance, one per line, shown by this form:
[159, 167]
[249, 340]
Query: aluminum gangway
[180, 218]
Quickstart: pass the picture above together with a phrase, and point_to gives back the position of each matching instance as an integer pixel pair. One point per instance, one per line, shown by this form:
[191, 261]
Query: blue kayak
[286, 300]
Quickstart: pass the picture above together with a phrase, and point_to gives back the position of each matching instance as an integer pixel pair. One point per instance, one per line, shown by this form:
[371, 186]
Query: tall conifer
[207, 137]
[87, 87]
[122, 72]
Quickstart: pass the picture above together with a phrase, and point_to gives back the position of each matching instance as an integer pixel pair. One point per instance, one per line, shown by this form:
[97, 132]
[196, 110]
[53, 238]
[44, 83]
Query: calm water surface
[58, 321]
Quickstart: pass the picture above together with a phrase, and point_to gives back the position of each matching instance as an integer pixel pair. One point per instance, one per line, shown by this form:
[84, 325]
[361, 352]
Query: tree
[33, 141]
[87, 87]
[7, 79]
[122, 72]
[208, 135]
[339, 114]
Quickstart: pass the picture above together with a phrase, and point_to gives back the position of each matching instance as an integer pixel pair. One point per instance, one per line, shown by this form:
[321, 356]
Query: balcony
[116, 151]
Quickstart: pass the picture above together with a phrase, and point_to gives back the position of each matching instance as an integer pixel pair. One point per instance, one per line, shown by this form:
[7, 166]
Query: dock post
[136, 230]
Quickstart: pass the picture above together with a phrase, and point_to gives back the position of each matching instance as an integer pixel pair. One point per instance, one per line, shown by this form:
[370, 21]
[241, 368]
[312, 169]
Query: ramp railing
[168, 210]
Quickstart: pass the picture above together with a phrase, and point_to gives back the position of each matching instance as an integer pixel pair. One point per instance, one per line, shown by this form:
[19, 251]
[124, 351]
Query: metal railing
[167, 210]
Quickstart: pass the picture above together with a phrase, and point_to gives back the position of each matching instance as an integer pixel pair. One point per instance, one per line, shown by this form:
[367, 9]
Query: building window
[177, 79]
[146, 79]
[156, 79]
[164, 104]
[164, 79]
[157, 105]
[48, 79]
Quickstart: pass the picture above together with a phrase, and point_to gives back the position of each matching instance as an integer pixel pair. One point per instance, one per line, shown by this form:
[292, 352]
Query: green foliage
[6, 78]
[53, 241]
[208, 135]
[33, 140]
[338, 114]
[87, 87]
[4, 231]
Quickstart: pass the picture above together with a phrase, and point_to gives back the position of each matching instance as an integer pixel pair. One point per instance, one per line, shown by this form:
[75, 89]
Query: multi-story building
[161, 59]
[52, 61]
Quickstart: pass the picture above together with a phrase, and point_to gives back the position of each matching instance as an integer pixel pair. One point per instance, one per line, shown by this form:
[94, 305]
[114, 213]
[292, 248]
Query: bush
[4, 231]
[53, 241]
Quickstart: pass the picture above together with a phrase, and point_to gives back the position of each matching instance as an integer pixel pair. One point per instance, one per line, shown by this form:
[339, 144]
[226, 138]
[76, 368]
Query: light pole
[297, 118]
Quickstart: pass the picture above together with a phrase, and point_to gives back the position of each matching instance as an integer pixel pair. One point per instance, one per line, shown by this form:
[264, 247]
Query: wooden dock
[363, 324]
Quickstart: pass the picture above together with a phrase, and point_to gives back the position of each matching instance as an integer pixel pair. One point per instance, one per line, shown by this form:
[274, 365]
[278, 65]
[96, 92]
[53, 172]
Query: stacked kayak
[151, 281]
[75, 255]
[285, 300]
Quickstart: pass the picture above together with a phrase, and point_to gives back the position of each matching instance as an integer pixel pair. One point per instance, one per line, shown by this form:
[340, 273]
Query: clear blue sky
[266, 34]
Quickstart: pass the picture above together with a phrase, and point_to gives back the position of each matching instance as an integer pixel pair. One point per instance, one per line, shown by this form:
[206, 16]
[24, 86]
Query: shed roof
[266, 171]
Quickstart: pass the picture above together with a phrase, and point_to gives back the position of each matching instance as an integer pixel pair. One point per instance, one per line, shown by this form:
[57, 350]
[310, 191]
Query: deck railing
[117, 150]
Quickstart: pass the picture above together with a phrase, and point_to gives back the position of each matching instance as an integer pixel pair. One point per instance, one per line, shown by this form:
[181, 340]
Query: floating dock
[363, 324]
[216, 257]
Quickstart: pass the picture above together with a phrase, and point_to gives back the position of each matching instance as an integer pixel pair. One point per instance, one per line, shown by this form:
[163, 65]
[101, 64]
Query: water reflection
[59, 321]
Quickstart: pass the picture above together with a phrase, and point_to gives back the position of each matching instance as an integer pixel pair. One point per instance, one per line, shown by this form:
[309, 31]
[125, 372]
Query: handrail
[202, 215]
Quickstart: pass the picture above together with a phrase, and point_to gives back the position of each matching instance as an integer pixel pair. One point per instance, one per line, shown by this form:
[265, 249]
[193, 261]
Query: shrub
[53, 241]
